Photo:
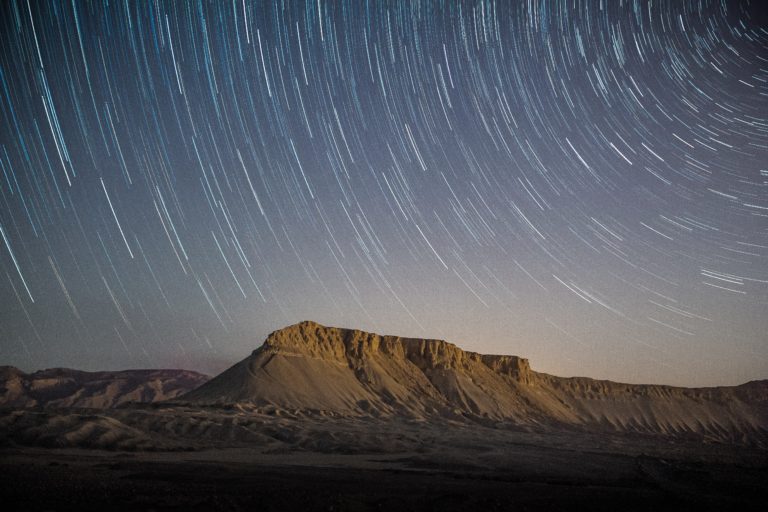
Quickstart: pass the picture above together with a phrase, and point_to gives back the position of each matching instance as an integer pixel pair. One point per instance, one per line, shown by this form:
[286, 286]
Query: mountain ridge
[66, 387]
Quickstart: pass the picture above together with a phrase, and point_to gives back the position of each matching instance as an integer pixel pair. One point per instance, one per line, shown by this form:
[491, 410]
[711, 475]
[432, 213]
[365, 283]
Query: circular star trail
[583, 183]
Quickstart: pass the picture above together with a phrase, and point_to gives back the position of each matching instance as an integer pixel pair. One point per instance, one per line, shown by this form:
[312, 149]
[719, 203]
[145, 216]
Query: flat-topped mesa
[313, 369]
[310, 339]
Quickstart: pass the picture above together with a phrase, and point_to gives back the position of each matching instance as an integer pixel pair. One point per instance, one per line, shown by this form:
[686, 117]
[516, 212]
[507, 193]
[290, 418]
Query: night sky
[582, 183]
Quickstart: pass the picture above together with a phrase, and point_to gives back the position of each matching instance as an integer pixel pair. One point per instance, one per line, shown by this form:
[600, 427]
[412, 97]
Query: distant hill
[344, 372]
[63, 387]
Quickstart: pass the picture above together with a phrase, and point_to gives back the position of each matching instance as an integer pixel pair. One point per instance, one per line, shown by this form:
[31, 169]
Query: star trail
[584, 183]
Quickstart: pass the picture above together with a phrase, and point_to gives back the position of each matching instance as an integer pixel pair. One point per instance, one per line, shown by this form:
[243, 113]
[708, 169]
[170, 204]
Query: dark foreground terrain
[76, 481]
[315, 466]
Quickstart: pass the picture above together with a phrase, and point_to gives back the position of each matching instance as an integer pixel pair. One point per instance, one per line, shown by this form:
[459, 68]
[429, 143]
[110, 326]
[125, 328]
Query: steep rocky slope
[345, 372]
[63, 387]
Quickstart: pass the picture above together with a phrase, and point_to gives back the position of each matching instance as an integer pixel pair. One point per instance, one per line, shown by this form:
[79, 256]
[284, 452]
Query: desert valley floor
[326, 464]
[304, 463]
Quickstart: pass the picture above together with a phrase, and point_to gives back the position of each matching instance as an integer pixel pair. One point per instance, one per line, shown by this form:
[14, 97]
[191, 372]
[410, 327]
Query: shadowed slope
[346, 372]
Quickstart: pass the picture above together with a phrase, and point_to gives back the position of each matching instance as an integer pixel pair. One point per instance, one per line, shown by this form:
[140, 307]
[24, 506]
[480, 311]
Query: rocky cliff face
[63, 387]
[354, 347]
